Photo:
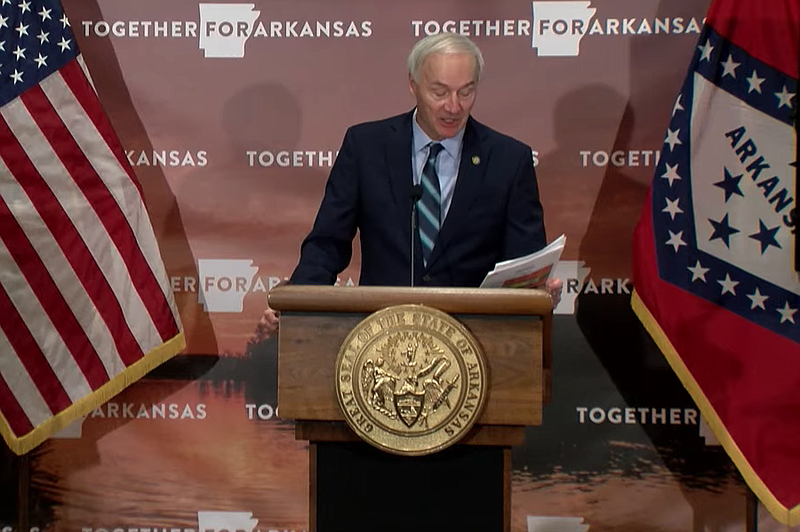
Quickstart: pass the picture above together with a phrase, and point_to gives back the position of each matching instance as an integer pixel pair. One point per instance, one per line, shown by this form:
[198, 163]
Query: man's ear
[412, 85]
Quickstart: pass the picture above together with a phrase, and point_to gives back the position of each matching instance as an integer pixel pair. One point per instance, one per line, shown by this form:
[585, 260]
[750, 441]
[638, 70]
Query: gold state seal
[410, 379]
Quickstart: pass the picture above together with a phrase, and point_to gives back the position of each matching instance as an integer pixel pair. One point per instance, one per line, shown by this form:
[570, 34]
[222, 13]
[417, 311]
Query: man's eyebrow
[440, 84]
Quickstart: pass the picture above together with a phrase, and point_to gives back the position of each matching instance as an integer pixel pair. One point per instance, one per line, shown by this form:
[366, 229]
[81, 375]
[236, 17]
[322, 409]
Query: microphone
[416, 194]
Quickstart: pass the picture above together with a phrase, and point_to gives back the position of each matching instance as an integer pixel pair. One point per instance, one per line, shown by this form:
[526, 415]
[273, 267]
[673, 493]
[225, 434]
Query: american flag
[85, 304]
[714, 273]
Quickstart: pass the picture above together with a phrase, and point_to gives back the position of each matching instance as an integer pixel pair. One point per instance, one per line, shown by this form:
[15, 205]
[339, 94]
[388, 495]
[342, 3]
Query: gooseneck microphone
[416, 194]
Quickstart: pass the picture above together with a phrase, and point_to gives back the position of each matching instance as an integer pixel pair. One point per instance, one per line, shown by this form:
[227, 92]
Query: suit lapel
[398, 161]
[400, 177]
[471, 171]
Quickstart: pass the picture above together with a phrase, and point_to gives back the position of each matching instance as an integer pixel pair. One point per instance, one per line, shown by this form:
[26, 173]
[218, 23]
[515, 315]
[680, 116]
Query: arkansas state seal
[410, 379]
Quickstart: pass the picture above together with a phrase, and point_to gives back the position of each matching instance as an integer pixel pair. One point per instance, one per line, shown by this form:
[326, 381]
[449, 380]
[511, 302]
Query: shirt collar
[451, 145]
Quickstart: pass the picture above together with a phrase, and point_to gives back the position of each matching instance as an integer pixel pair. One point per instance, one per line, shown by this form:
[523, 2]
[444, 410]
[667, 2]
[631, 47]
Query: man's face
[445, 93]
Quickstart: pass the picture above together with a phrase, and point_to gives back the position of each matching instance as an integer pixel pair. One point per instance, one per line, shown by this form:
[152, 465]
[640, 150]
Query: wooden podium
[355, 487]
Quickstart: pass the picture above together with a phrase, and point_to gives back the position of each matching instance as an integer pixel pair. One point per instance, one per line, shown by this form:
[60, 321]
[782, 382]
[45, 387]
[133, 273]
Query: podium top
[499, 301]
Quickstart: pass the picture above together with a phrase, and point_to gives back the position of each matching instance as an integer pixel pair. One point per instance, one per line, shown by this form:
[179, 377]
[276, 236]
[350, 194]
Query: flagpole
[751, 519]
[23, 483]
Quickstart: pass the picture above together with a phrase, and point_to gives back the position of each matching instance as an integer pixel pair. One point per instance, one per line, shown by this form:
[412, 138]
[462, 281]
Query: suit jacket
[495, 213]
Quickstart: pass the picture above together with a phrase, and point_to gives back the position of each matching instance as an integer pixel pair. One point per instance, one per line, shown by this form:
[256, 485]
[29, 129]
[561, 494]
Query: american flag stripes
[85, 304]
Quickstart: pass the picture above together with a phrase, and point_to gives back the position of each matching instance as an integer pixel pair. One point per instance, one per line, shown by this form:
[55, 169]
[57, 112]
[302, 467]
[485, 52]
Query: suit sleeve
[328, 248]
[524, 226]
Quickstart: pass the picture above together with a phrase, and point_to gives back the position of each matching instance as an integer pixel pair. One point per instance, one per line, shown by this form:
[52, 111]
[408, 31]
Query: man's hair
[443, 43]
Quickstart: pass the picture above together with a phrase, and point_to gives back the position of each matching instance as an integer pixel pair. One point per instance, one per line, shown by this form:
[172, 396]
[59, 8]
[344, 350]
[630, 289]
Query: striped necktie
[430, 205]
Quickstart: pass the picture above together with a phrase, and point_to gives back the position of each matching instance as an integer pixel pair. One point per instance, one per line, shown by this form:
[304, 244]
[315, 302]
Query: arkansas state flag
[714, 276]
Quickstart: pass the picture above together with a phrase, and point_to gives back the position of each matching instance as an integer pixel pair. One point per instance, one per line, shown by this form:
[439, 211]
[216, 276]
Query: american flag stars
[35, 40]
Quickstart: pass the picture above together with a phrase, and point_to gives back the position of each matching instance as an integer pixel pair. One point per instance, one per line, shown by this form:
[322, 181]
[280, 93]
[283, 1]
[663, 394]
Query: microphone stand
[416, 194]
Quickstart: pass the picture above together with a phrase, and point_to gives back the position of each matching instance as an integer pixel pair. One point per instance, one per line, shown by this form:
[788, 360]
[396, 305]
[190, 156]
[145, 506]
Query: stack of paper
[530, 271]
[556, 524]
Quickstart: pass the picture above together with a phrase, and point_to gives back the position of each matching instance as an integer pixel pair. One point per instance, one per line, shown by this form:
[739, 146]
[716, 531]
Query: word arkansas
[167, 158]
[150, 411]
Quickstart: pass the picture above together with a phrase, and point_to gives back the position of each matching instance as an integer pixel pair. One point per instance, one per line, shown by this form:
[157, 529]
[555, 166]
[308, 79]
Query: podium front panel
[309, 344]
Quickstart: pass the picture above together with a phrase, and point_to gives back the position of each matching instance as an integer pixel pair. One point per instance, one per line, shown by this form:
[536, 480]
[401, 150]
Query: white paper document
[556, 524]
[530, 271]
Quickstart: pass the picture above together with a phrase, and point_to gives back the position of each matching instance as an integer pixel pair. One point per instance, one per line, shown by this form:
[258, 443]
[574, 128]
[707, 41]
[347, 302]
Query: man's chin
[446, 131]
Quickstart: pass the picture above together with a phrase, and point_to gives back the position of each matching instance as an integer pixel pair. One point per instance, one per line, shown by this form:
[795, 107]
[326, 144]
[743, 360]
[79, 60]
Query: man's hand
[267, 325]
[554, 286]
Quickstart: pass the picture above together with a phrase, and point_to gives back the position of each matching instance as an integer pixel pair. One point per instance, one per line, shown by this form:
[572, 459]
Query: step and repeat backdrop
[232, 115]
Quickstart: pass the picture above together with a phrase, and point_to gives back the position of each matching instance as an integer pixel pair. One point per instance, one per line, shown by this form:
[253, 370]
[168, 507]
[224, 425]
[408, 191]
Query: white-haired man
[475, 189]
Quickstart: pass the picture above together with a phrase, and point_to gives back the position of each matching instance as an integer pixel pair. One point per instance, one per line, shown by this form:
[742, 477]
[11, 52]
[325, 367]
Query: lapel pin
[476, 160]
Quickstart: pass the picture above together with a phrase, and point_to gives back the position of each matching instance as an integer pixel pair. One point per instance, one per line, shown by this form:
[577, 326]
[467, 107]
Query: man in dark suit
[474, 188]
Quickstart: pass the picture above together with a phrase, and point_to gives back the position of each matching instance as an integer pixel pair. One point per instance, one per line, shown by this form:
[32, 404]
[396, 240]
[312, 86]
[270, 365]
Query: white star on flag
[757, 300]
[784, 98]
[672, 207]
[755, 82]
[676, 240]
[672, 138]
[787, 313]
[698, 272]
[728, 284]
[729, 67]
[677, 107]
[706, 49]
[671, 173]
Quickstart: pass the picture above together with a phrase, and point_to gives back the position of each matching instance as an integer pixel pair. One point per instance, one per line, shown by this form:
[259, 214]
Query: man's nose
[453, 103]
